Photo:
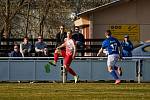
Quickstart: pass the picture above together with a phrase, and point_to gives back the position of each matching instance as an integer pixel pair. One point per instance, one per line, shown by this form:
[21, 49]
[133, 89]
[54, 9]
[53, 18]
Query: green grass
[70, 91]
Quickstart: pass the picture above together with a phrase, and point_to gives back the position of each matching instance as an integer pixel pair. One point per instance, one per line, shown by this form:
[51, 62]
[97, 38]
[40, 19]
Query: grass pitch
[71, 91]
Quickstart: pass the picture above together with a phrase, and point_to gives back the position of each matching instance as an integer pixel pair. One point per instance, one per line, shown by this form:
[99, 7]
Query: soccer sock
[56, 57]
[115, 67]
[113, 73]
[71, 71]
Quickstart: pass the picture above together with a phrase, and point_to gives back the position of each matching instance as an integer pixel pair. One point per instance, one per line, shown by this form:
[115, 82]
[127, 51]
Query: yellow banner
[118, 31]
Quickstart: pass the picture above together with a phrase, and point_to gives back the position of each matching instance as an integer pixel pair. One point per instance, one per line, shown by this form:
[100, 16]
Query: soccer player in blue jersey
[112, 45]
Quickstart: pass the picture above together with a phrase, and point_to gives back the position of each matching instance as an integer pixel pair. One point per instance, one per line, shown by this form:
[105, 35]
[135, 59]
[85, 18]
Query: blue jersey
[111, 44]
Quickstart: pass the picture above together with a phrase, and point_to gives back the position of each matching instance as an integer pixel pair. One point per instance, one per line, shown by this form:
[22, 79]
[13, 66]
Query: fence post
[64, 73]
[139, 71]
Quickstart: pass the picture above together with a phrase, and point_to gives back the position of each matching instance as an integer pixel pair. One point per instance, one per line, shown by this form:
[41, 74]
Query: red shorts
[67, 58]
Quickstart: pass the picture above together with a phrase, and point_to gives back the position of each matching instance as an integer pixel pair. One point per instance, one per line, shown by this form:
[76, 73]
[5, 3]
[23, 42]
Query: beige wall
[143, 11]
[118, 14]
[134, 12]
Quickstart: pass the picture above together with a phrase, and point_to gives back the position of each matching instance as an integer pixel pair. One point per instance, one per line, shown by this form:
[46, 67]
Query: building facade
[120, 16]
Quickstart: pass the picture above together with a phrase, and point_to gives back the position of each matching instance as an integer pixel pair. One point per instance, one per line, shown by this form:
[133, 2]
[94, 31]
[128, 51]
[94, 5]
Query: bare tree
[9, 10]
[34, 17]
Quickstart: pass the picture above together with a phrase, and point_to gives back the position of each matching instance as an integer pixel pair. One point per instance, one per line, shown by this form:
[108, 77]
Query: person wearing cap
[112, 45]
[127, 47]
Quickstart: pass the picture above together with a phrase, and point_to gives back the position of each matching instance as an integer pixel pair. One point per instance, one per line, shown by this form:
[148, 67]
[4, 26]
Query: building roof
[115, 2]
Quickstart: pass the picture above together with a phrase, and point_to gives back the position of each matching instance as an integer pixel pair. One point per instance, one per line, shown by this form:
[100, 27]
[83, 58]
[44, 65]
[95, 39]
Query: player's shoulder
[72, 40]
[105, 42]
[115, 39]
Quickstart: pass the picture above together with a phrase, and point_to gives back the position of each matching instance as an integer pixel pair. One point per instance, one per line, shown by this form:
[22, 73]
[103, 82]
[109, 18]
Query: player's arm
[74, 51]
[100, 51]
[61, 46]
[120, 52]
[21, 50]
[120, 49]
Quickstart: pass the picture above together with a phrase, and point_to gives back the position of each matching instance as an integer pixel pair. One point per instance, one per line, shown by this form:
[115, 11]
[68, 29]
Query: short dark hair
[108, 32]
[76, 27]
[70, 31]
[25, 37]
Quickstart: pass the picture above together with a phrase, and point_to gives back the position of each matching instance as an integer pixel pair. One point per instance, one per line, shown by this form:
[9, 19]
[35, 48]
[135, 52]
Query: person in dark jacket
[80, 40]
[16, 52]
[60, 37]
[25, 47]
[127, 47]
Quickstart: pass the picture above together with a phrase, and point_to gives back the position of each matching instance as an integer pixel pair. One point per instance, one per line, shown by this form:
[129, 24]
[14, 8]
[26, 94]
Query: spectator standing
[80, 40]
[60, 37]
[25, 47]
[127, 47]
[15, 52]
[41, 47]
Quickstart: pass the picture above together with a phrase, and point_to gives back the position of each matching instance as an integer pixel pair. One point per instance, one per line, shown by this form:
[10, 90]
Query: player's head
[69, 34]
[108, 33]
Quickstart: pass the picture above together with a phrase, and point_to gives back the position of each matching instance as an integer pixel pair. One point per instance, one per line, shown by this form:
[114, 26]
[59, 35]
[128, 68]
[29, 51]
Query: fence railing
[91, 45]
[88, 68]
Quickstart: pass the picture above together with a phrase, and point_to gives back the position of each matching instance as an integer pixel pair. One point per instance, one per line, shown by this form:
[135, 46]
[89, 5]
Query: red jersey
[69, 43]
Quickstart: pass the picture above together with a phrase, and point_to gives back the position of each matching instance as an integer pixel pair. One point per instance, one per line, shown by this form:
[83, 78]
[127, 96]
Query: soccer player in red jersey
[68, 55]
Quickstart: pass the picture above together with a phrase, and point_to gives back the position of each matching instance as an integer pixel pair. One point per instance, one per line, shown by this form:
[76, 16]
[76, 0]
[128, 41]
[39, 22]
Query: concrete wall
[87, 69]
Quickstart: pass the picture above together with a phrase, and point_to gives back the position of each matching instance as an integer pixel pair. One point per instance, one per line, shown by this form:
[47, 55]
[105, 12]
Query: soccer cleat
[52, 63]
[119, 71]
[76, 79]
[117, 81]
[47, 68]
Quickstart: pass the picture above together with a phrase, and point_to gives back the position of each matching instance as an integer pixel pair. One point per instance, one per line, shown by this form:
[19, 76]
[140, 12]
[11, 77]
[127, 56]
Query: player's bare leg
[71, 71]
[57, 53]
[119, 70]
[113, 73]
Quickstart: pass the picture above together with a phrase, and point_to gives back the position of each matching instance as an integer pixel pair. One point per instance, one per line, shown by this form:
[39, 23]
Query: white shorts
[112, 60]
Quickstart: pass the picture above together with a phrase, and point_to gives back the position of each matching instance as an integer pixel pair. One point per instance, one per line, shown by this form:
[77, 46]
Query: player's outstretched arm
[100, 51]
[74, 52]
[120, 52]
[61, 46]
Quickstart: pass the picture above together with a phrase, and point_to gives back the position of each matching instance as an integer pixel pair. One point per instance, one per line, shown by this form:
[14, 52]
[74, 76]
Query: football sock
[115, 67]
[56, 57]
[53, 63]
[71, 71]
[113, 73]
